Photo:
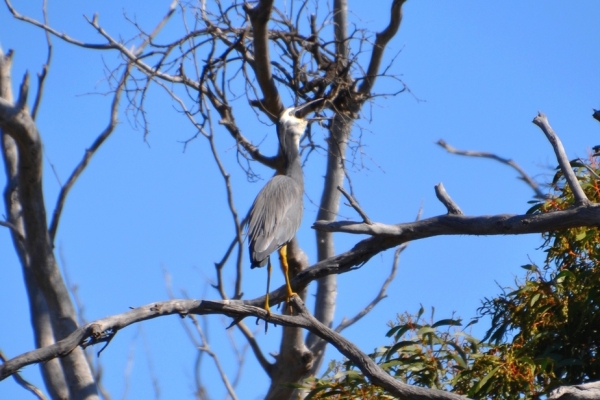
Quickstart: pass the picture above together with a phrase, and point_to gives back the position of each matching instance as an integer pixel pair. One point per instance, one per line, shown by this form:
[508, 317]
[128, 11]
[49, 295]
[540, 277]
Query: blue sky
[478, 72]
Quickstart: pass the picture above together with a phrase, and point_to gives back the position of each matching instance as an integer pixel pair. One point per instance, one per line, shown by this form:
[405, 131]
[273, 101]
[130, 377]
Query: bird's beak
[298, 110]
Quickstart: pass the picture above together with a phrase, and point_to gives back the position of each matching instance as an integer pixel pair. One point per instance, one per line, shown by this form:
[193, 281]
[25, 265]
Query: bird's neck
[294, 170]
[293, 167]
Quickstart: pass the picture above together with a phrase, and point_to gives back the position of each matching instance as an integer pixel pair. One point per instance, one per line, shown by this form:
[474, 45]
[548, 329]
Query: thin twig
[381, 41]
[13, 228]
[470, 153]
[112, 124]
[42, 75]
[380, 296]
[590, 169]
[354, 204]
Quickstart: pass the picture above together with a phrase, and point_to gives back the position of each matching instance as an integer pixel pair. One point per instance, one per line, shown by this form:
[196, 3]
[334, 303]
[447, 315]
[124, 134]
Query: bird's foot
[288, 300]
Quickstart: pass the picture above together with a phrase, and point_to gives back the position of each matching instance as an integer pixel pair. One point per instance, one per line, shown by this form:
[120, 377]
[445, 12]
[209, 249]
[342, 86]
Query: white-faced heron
[277, 211]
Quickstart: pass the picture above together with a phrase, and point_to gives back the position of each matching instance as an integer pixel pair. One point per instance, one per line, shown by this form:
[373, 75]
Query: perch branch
[105, 329]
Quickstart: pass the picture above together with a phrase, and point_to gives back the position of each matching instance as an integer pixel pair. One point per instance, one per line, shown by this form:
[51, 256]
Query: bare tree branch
[13, 228]
[52, 371]
[259, 17]
[112, 124]
[22, 382]
[524, 176]
[380, 296]
[443, 196]
[260, 357]
[104, 330]
[542, 121]
[62, 36]
[45, 67]
[586, 391]
[205, 347]
[382, 39]
[354, 204]
[16, 121]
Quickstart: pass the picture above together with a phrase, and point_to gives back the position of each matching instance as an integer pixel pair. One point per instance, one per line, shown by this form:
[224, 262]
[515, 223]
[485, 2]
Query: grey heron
[276, 213]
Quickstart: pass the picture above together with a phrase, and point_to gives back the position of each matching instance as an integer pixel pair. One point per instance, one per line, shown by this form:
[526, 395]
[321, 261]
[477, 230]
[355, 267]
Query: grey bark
[49, 299]
[587, 391]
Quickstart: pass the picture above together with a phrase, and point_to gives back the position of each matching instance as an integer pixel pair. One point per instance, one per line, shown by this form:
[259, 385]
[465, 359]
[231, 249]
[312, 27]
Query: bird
[276, 214]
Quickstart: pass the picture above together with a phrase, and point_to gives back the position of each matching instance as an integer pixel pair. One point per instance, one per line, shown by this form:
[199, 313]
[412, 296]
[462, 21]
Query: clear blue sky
[482, 70]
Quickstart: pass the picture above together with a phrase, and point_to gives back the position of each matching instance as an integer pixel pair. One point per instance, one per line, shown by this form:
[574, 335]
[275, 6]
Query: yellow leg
[285, 268]
[267, 308]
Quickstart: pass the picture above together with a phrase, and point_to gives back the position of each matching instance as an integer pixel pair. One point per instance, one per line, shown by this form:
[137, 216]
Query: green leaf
[563, 275]
[403, 329]
[460, 357]
[581, 236]
[447, 321]
[482, 382]
[534, 299]
[395, 329]
[425, 330]
[529, 267]
[535, 208]
[421, 311]
[397, 347]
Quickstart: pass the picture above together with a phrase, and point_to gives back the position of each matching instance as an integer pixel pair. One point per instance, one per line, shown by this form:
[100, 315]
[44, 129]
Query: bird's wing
[275, 216]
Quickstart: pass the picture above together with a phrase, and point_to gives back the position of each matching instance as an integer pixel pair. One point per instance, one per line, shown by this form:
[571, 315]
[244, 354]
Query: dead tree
[270, 50]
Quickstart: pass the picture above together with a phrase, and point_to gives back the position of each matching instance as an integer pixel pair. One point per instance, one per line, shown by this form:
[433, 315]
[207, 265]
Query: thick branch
[587, 391]
[259, 17]
[502, 224]
[24, 383]
[16, 121]
[542, 121]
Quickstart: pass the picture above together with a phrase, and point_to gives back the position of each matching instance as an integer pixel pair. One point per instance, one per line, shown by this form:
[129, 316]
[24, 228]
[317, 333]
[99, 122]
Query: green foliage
[544, 333]
[421, 354]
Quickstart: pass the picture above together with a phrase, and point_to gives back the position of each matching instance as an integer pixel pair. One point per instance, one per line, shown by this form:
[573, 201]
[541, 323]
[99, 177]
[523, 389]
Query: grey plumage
[277, 211]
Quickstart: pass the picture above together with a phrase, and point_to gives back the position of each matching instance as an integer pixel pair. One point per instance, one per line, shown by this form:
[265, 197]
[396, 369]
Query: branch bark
[37, 257]
[542, 121]
[105, 329]
[259, 17]
[587, 391]
[381, 41]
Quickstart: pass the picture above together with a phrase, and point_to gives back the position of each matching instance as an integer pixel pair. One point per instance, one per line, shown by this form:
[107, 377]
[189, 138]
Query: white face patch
[292, 124]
